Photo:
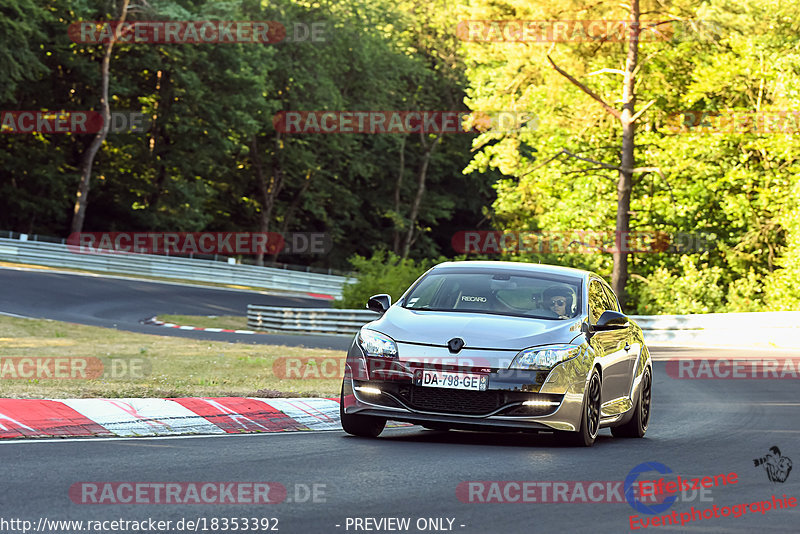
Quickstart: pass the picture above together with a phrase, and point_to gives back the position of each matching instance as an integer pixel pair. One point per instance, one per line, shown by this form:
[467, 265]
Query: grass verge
[141, 365]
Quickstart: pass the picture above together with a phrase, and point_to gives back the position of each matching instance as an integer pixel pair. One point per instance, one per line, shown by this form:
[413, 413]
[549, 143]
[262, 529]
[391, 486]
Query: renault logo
[455, 345]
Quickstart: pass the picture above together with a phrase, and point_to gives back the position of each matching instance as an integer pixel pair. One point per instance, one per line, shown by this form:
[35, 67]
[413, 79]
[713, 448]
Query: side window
[612, 299]
[597, 301]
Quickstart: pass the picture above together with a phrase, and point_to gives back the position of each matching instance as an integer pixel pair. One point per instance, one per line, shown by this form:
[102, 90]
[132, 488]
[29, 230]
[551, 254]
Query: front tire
[590, 415]
[365, 426]
[637, 426]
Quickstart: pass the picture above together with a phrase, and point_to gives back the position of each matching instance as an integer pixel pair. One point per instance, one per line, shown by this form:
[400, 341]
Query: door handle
[627, 346]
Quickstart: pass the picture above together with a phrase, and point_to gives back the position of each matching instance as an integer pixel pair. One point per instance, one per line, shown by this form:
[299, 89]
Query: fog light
[368, 390]
[540, 403]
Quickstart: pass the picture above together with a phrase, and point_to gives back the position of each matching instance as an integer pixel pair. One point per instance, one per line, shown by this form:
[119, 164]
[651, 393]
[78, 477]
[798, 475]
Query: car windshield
[542, 296]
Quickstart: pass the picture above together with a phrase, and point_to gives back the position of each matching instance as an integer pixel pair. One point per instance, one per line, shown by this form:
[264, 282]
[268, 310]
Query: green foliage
[692, 289]
[782, 287]
[20, 28]
[730, 188]
[383, 272]
[212, 107]
[746, 294]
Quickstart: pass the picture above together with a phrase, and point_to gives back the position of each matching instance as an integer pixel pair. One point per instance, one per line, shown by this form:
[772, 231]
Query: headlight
[376, 344]
[544, 358]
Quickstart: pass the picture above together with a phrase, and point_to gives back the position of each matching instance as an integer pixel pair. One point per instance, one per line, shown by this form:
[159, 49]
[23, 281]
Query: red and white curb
[322, 296]
[37, 418]
[154, 321]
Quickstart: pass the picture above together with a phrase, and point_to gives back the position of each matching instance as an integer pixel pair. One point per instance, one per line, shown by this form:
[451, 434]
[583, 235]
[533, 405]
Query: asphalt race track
[698, 428]
[123, 303]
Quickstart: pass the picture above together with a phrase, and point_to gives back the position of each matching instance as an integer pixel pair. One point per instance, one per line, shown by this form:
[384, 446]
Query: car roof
[516, 266]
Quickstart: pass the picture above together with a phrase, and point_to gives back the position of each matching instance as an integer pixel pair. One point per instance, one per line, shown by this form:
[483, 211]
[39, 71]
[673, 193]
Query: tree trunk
[422, 175]
[619, 276]
[397, 188]
[289, 214]
[157, 163]
[627, 119]
[269, 186]
[82, 197]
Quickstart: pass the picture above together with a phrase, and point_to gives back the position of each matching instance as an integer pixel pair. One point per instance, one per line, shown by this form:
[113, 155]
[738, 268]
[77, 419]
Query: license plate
[444, 379]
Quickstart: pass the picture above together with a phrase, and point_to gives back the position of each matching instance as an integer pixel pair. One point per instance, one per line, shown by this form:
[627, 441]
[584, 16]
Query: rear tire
[365, 426]
[637, 426]
[590, 415]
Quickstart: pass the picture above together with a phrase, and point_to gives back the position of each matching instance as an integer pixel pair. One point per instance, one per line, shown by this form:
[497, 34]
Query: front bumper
[557, 395]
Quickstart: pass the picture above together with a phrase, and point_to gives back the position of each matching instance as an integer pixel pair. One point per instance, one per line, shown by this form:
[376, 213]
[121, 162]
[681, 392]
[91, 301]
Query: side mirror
[587, 329]
[379, 303]
[611, 320]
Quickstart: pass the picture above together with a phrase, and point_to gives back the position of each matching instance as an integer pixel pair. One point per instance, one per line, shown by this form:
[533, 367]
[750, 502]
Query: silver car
[487, 345]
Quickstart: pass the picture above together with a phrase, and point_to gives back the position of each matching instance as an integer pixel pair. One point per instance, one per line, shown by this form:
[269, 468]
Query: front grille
[454, 400]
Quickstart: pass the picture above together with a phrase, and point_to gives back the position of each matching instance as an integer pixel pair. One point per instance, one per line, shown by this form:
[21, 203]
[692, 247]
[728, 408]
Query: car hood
[478, 330]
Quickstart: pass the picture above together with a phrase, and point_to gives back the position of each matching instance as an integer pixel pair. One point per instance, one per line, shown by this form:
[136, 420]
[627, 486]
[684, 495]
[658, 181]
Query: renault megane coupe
[485, 345]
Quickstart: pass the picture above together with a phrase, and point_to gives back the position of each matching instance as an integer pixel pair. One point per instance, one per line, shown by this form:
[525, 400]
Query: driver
[558, 300]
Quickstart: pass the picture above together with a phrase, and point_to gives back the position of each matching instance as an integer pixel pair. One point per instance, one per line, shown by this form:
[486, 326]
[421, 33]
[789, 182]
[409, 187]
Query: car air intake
[454, 401]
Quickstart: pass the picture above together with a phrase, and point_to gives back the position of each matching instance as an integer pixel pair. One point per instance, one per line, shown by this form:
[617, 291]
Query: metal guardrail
[58, 255]
[216, 257]
[307, 320]
[719, 321]
[745, 330]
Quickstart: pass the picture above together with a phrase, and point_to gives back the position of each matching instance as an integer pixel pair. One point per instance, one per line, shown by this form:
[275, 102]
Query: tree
[728, 187]
[20, 28]
[82, 196]
[627, 118]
